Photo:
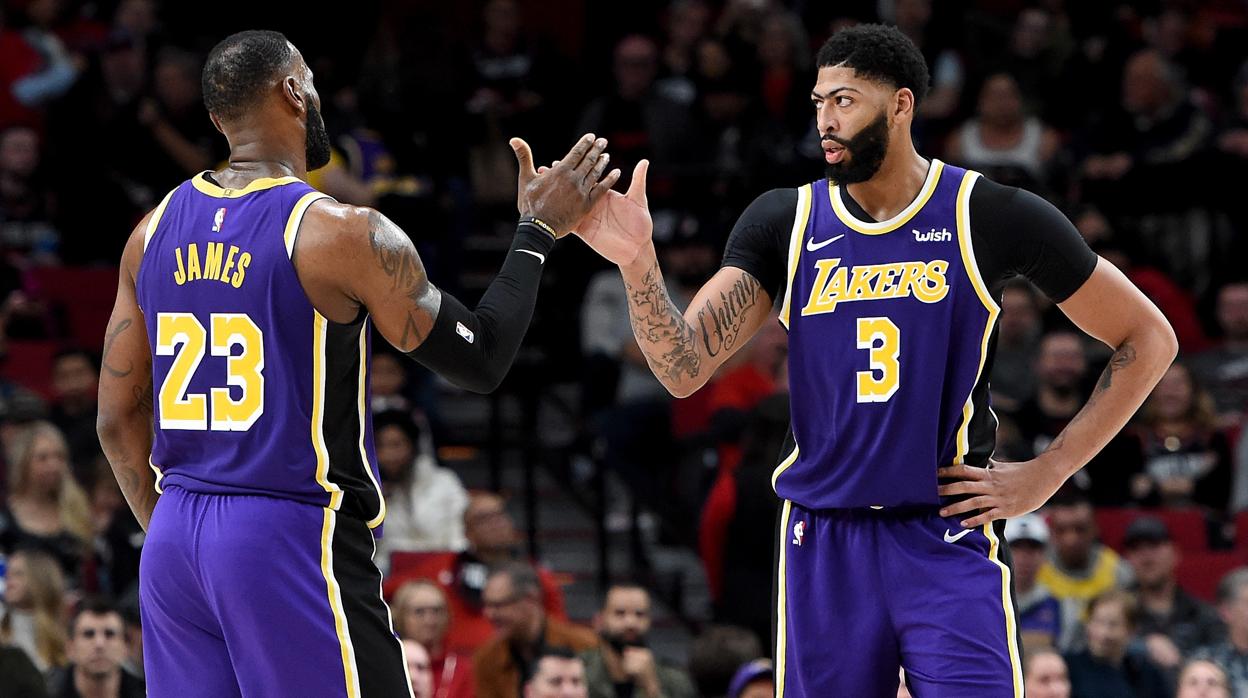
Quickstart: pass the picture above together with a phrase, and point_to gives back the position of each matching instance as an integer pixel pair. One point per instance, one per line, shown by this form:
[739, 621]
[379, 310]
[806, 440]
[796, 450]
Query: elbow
[483, 382]
[107, 428]
[1156, 341]
[683, 389]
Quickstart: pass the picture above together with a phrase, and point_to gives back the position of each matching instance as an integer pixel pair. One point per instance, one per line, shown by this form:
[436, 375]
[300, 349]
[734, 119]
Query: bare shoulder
[347, 233]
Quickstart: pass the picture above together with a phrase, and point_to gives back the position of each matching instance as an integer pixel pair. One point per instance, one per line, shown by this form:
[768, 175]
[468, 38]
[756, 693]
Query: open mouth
[833, 153]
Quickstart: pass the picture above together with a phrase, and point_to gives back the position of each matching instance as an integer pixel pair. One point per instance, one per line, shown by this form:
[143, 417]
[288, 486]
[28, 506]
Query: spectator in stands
[421, 615]
[1061, 367]
[75, 382]
[1003, 141]
[1224, 369]
[513, 603]
[46, 509]
[388, 382]
[1232, 654]
[717, 653]
[1201, 678]
[1044, 674]
[1187, 459]
[27, 233]
[118, 539]
[914, 18]
[779, 124]
[19, 676]
[97, 648]
[1043, 621]
[133, 663]
[425, 502]
[1172, 622]
[33, 603]
[1107, 669]
[624, 664]
[1080, 567]
[418, 669]
[684, 26]
[179, 142]
[557, 673]
[1018, 341]
[1037, 54]
[755, 679]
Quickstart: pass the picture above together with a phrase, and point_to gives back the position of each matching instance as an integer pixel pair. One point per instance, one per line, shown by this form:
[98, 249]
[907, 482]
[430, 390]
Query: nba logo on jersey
[799, 531]
[218, 219]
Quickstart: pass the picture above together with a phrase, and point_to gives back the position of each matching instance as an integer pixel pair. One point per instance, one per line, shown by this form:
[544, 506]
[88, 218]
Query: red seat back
[82, 295]
[29, 364]
[1199, 573]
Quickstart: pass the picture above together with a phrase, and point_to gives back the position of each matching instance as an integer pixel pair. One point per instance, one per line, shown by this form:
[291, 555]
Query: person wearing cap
[755, 679]
[1171, 622]
[1043, 620]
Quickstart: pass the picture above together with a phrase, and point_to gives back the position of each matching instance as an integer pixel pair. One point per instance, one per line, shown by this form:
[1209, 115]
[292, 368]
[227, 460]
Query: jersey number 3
[881, 338]
[182, 410]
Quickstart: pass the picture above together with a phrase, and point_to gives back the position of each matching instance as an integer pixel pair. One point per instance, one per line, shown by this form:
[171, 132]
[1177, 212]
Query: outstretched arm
[124, 424]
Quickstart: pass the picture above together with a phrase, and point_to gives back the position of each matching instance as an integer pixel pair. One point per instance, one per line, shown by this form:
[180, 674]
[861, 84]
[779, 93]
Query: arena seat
[1199, 573]
[29, 364]
[1187, 526]
[82, 296]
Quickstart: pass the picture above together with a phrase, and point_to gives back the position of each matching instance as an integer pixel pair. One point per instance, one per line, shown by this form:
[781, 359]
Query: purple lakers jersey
[889, 328]
[255, 392]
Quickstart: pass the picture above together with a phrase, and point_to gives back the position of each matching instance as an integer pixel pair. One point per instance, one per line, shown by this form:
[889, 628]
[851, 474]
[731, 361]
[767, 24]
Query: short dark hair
[524, 579]
[96, 606]
[878, 52]
[241, 68]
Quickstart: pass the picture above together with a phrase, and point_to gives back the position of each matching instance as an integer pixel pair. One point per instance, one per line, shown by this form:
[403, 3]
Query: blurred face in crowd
[636, 62]
[177, 84]
[74, 379]
[124, 70]
[488, 526]
[1233, 311]
[425, 615]
[625, 617]
[557, 677]
[1000, 103]
[509, 610]
[775, 46]
[419, 668]
[1020, 318]
[687, 22]
[1146, 85]
[395, 451]
[853, 122]
[17, 583]
[1061, 364]
[1031, 33]
[1108, 630]
[387, 374]
[1154, 563]
[1202, 679]
[1028, 557]
[1172, 398]
[19, 151]
[97, 645]
[1073, 532]
[1046, 677]
[761, 688]
[49, 463]
[913, 13]
[1234, 612]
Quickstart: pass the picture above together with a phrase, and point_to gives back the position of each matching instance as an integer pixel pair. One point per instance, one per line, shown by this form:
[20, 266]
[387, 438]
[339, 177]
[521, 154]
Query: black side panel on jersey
[344, 400]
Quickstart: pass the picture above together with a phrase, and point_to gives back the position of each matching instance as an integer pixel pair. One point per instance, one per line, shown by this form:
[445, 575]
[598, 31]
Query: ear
[903, 103]
[293, 94]
[217, 123]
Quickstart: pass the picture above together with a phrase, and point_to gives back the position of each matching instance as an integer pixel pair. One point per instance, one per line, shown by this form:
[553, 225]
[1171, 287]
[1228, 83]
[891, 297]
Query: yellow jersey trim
[1007, 605]
[320, 327]
[157, 214]
[888, 226]
[784, 464]
[334, 592]
[159, 476]
[981, 290]
[364, 411]
[296, 218]
[781, 597]
[800, 219]
[206, 187]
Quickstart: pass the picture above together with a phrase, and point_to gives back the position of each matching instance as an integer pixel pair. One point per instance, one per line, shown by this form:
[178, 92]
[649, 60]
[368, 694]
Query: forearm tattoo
[721, 324]
[667, 341]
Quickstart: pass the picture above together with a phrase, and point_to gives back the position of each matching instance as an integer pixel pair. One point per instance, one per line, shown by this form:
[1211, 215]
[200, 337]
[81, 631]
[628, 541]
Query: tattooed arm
[124, 424]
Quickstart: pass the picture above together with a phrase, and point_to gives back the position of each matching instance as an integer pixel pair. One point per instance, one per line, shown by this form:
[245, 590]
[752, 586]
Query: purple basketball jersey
[889, 326]
[255, 391]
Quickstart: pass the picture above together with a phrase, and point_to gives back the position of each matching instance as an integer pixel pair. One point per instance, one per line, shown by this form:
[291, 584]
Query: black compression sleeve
[474, 349]
[759, 242]
[1016, 232]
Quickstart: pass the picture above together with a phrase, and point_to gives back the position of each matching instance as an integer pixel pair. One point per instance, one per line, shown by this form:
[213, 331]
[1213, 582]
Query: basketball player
[241, 329]
[890, 270]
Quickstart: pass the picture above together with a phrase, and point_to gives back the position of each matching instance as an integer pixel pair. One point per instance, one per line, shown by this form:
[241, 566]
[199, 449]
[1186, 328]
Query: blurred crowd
[1130, 117]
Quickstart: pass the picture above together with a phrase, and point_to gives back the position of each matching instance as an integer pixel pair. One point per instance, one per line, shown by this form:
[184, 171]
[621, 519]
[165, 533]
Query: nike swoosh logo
[811, 245]
[955, 539]
[540, 257]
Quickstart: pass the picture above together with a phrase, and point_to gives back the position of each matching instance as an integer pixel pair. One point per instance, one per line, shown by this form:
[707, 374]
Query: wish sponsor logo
[933, 235]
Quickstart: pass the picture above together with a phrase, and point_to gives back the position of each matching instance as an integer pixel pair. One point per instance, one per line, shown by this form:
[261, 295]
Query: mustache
[829, 137]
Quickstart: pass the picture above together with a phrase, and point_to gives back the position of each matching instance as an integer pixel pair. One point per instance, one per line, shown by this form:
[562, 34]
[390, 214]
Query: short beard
[316, 147]
[866, 151]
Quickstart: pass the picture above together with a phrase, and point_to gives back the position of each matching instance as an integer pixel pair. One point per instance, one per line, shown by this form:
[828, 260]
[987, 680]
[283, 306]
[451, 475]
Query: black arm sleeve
[759, 243]
[1016, 232]
[474, 349]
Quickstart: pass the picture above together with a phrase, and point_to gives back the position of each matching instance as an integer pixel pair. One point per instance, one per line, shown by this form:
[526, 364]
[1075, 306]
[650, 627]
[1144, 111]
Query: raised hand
[619, 227]
[561, 195]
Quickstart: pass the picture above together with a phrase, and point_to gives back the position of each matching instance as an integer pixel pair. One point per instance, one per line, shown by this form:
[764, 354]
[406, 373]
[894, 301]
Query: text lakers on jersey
[835, 284]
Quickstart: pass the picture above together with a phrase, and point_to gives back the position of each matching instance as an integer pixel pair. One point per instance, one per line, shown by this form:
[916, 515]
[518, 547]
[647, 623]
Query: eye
[844, 100]
[816, 103]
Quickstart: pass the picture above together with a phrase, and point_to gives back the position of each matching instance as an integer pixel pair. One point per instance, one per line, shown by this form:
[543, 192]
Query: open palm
[619, 225]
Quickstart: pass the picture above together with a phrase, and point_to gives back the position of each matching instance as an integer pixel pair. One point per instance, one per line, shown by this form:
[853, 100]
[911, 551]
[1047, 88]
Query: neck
[256, 152]
[614, 664]
[895, 185]
[1158, 598]
[97, 686]
[1238, 635]
[1024, 586]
